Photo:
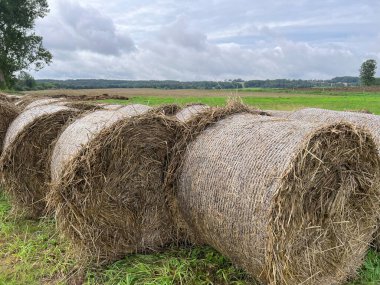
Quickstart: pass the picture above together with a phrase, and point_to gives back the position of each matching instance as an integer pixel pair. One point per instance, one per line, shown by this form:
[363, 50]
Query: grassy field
[276, 99]
[32, 253]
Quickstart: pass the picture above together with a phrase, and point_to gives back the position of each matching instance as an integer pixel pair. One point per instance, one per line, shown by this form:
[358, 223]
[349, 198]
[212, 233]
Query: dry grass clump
[107, 191]
[169, 109]
[290, 202]
[8, 112]
[25, 161]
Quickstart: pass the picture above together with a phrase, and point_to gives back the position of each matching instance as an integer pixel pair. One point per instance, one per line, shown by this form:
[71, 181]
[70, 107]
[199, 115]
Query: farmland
[276, 99]
[32, 253]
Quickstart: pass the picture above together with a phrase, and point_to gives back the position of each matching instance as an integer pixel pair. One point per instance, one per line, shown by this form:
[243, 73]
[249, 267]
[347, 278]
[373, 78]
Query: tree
[367, 72]
[24, 81]
[20, 47]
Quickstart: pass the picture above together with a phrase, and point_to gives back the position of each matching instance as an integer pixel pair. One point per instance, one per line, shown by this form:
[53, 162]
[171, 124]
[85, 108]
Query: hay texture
[288, 201]
[107, 183]
[190, 111]
[365, 120]
[25, 161]
[278, 113]
[169, 109]
[8, 112]
[41, 102]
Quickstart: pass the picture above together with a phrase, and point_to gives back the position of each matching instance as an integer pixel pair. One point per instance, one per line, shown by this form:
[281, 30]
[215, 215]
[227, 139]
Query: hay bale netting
[107, 171]
[41, 102]
[8, 112]
[25, 161]
[290, 202]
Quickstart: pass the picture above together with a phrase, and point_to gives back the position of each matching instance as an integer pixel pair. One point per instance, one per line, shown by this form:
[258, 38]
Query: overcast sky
[209, 40]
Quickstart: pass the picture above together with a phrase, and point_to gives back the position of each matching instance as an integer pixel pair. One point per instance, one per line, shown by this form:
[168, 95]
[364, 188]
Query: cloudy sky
[209, 40]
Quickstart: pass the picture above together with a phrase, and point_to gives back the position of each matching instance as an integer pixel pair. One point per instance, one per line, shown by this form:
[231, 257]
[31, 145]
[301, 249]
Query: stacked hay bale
[8, 112]
[290, 202]
[368, 121]
[107, 170]
[25, 161]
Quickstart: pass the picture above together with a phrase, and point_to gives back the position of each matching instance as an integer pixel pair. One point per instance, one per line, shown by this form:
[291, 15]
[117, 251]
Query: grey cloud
[218, 39]
[75, 27]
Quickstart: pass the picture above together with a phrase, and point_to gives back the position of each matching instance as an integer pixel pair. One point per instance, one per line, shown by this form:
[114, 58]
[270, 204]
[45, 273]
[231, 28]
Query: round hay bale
[107, 183]
[290, 202]
[8, 112]
[190, 111]
[25, 161]
[41, 102]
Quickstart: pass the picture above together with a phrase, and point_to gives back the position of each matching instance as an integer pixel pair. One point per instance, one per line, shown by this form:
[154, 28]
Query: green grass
[368, 101]
[32, 253]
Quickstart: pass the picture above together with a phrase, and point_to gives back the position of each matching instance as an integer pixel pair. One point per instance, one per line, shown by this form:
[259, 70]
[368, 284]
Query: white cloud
[201, 40]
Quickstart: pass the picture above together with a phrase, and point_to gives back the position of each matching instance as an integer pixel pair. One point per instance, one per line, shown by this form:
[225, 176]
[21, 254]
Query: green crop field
[366, 101]
[31, 252]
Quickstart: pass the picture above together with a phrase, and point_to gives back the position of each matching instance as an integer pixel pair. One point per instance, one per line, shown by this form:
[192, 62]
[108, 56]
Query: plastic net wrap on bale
[25, 162]
[41, 102]
[8, 112]
[107, 172]
[368, 121]
[288, 201]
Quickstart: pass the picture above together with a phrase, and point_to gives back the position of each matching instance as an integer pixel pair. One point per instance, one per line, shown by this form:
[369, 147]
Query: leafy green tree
[20, 47]
[367, 72]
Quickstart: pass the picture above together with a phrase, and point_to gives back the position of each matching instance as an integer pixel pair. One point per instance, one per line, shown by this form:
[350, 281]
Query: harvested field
[275, 205]
[116, 165]
[25, 162]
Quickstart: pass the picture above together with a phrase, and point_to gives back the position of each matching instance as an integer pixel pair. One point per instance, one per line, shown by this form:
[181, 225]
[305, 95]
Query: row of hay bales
[290, 200]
